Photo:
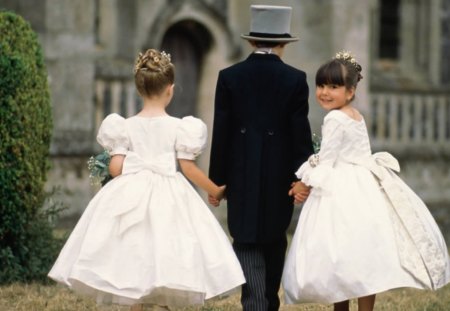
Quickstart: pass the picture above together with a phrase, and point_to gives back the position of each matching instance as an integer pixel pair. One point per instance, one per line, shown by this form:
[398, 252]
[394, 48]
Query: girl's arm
[116, 165]
[194, 174]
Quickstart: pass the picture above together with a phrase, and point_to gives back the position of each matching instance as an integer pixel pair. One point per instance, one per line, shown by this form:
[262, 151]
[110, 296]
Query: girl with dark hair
[362, 230]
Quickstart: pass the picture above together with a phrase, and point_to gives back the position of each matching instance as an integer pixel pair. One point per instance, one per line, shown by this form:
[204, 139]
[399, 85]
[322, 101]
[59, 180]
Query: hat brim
[267, 39]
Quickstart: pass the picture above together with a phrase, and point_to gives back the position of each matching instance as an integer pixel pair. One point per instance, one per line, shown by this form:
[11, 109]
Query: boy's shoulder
[295, 69]
[249, 64]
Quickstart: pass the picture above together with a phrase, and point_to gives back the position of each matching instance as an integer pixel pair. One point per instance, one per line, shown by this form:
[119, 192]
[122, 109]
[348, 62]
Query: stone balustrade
[118, 96]
[410, 121]
[415, 128]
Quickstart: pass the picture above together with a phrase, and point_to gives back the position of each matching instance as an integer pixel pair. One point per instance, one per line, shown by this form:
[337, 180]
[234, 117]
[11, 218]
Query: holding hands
[300, 191]
[215, 198]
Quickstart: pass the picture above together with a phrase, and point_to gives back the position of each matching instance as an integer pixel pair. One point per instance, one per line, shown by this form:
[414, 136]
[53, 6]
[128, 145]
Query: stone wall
[87, 40]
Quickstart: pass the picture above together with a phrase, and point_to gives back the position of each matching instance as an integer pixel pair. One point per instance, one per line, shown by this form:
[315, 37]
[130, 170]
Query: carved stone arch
[191, 35]
[188, 42]
[182, 10]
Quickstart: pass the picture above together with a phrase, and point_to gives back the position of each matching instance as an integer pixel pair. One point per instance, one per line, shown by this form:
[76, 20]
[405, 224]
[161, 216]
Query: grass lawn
[37, 297]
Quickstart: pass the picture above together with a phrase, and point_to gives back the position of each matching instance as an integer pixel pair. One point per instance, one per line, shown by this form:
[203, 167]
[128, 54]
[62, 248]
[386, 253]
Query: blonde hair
[153, 71]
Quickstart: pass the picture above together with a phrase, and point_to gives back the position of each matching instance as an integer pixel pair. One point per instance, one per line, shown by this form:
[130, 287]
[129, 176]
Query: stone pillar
[69, 46]
[408, 36]
[350, 31]
[69, 53]
[435, 50]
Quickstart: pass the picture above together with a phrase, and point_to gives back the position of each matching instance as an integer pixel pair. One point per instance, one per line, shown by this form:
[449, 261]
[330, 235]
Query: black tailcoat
[261, 135]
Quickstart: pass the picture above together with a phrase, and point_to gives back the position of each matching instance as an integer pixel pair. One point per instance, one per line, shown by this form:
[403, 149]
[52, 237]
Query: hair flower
[166, 56]
[347, 57]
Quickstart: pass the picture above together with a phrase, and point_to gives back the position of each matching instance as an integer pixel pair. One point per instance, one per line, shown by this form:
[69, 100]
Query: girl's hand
[299, 191]
[214, 199]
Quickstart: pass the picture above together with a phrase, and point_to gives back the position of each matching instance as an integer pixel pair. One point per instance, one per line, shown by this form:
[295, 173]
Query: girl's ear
[350, 93]
[170, 89]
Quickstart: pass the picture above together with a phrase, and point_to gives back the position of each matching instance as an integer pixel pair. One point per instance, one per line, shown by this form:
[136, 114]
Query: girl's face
[331, 96]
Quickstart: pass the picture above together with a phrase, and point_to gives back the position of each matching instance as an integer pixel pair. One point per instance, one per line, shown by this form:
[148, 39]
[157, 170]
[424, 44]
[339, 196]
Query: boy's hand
[299, 191]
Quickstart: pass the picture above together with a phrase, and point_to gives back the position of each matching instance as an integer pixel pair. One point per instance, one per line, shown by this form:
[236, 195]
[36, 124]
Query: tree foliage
[27, 246]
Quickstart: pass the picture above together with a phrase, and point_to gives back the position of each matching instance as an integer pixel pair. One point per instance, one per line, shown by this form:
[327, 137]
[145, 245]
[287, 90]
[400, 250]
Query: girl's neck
[350, 111]
[153, 107]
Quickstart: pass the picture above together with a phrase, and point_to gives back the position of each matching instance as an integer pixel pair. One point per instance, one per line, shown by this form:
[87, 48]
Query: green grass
[37, 297]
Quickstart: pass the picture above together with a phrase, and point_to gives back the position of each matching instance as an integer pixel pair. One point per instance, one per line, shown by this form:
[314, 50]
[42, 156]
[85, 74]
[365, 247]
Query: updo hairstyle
[153, 71]
[342, 70]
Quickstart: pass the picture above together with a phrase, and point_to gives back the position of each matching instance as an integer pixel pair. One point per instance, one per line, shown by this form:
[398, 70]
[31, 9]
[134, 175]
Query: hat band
[269, 35]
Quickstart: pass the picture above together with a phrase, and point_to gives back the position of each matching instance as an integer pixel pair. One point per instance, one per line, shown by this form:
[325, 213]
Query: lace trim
[417, 247]
[410, 227]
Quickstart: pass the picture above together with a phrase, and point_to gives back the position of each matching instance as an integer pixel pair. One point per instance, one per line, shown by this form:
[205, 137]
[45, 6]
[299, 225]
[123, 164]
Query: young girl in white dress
[362, 230]
[147, 237]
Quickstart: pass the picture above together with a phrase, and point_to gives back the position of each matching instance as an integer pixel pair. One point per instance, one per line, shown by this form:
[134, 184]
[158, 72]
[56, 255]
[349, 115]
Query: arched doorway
[187, 42]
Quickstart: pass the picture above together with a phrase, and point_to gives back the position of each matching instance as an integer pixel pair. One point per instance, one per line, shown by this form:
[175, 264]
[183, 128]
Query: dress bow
[128, 206]
[419, 251]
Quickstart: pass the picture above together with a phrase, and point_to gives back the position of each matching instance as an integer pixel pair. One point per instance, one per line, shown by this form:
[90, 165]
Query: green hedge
[27, 247]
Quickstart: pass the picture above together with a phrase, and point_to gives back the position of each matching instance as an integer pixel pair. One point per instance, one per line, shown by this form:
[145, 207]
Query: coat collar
[271, 57]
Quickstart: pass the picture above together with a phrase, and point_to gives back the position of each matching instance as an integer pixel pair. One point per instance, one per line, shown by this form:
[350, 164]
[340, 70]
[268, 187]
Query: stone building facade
[402, 45]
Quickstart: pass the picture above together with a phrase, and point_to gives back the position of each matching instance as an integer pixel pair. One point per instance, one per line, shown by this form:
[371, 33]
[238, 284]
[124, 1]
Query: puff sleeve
[318, 176]
[112, 135]
[191, 138]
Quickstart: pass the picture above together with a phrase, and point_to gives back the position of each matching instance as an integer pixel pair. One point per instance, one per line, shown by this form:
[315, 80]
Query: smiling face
[332, 96]
[336, 84]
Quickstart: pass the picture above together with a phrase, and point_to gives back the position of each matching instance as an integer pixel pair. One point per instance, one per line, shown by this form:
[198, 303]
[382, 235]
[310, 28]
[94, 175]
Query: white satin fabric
[147, 236]
[362, 230]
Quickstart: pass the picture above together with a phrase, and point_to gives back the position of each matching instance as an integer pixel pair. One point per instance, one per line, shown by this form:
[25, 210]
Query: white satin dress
[362, 230]
[147, 236]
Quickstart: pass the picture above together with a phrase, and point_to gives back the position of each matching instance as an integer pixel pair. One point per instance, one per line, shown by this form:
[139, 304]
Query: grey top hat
[270, 23]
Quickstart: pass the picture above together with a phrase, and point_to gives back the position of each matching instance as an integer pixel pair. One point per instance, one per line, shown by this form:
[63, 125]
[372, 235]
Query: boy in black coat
[261, 135]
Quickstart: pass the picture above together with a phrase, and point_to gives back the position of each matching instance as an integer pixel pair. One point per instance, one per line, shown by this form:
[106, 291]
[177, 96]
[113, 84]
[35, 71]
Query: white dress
[362, 230]
[147, 236]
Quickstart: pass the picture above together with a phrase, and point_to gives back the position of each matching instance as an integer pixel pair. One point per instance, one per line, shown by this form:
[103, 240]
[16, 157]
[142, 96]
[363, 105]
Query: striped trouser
[263, 266]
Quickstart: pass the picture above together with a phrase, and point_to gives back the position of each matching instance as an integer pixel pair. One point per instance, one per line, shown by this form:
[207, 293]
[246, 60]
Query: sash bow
[412, 226]
[128, 206]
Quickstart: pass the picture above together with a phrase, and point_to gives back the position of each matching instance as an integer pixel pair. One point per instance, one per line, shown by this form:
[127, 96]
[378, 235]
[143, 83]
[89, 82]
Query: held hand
[214, 199]
[299, 191]
[221, 193]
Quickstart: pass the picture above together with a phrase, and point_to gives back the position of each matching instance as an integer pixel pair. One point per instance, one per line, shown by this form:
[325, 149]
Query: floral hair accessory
[166, 56]
[152, 58]
[348, 57]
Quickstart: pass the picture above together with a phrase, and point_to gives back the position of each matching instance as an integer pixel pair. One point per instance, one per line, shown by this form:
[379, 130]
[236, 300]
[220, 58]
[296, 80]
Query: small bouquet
[316, 139]
[99, 168]
[314, 159]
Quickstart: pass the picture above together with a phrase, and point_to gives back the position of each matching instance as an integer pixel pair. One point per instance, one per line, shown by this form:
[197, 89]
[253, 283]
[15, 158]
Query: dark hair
[339, 72]
[268, 44]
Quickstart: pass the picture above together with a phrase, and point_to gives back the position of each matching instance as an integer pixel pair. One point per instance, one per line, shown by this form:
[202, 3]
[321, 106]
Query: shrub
[27, 247]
